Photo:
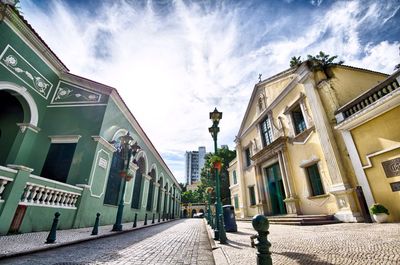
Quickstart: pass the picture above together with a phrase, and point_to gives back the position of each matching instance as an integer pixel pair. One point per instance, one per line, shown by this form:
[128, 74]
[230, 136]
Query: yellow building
[370, 125]
[290, 159]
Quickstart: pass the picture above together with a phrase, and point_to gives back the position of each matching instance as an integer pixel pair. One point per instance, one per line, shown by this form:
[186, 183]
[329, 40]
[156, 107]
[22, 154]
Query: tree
[295, 61]
[323, 62]
[208, 177]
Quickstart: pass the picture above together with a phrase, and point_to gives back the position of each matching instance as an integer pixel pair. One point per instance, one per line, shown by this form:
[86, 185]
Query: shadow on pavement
[303, 259]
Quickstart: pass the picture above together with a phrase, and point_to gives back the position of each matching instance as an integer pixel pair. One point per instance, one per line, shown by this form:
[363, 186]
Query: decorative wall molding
[64, 139]
[20, 167]
[370, 156]
[33, 41]
[71, 94]
[104, 142]
[24, 126]
[107, 170]
[16, 64]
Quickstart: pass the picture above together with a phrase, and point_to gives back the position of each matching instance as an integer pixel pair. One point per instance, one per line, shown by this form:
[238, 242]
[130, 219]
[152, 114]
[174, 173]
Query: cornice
[10, 17]
[301, 73]
[104, 142]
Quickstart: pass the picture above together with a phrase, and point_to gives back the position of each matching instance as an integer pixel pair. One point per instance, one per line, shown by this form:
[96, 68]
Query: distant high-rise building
[194, 162]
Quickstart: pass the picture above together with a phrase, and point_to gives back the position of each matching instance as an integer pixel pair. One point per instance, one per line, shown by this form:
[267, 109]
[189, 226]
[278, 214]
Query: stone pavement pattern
[346, 243]
[31, 241]
[180, 242]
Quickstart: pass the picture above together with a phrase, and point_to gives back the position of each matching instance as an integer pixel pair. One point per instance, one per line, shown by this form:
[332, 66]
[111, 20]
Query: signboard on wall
[395, 186]
[392, 167]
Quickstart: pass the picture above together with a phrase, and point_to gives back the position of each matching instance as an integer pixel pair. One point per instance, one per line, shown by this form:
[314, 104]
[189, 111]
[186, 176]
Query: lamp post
[216, 116]
[126, 149]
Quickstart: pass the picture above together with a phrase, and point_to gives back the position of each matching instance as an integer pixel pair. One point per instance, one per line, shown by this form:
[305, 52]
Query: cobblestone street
[345, 243]
[180, 242]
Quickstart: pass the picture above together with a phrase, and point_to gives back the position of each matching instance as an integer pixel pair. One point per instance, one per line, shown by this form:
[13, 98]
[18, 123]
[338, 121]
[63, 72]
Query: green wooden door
[276, 190]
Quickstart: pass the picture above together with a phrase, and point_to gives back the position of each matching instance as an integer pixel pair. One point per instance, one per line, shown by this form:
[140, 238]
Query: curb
[58, 245]
[220, 258]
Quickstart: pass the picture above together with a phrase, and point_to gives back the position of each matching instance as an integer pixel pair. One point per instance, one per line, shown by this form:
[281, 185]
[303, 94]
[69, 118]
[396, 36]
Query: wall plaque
[103, 163]
[395, 186]
[392, 167]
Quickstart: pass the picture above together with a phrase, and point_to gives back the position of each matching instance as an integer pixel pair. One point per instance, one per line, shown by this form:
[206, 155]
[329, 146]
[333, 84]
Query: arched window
[137, 186]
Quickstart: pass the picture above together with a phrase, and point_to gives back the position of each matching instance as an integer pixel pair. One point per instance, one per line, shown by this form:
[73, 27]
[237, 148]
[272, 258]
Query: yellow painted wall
[378, 135]
[350, 82]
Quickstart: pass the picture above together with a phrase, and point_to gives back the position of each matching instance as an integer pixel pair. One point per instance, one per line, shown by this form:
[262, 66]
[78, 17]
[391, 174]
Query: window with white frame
[266, 131]
[299, 123]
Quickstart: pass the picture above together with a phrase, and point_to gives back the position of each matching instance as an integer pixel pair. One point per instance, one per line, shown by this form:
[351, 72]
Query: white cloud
[173, 69]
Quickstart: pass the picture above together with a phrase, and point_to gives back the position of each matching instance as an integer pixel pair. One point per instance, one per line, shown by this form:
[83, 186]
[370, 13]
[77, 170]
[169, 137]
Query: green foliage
[322, 62]
[193, 196]
[295, 61]
[208, 177]
[378, 208]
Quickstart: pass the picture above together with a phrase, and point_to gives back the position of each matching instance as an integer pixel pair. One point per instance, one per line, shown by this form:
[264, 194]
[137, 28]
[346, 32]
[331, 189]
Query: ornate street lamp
[126, 148]
[219, 232]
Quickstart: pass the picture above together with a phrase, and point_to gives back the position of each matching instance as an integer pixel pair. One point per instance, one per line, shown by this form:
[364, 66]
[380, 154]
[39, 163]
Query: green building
[56, 151]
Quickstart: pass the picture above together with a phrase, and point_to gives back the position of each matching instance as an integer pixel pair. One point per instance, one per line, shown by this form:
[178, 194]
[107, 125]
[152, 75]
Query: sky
[173, 62]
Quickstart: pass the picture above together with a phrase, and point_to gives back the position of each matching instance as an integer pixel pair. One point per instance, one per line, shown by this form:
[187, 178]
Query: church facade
[291, 157]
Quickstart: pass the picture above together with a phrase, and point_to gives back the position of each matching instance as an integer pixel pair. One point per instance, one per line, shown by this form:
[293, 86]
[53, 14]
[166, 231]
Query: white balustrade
[3, 182]
[39, 195]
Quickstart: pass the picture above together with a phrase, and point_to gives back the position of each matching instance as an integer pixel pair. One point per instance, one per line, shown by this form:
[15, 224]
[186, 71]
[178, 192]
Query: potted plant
[216, 162]
[379, 212]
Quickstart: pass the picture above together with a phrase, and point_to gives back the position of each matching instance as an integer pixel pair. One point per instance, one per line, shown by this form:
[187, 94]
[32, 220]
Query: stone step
[300, 219]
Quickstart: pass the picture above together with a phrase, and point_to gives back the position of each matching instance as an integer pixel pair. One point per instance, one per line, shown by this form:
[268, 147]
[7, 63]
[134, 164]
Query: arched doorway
[185, 213]
[151, 190]
[11, 113]
[159, 194]
[137, 186]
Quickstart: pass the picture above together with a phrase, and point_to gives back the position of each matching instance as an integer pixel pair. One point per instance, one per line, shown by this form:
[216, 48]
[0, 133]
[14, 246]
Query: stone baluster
[3, 183]
[75, 200]
[60, 197]
[27, 192]
[33, 195]
[44, 196]
[54, 201]
[64, 199]
[68, 201]
[50, 197]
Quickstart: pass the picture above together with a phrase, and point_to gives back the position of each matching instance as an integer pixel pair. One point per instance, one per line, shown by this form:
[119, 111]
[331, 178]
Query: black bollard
[95, 230]
[135, 220]
[152, 221]
[159, 217]
[51, 238]
[163, 217]
[167, 216]
[261, 225]
[145, 219]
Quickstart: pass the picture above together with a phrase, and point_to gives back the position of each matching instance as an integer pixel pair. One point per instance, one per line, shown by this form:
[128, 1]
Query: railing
[388, 86]
[3, 182]
[39, 195]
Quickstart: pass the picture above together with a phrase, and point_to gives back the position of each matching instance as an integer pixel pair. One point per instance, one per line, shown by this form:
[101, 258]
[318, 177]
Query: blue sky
[174, 61]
